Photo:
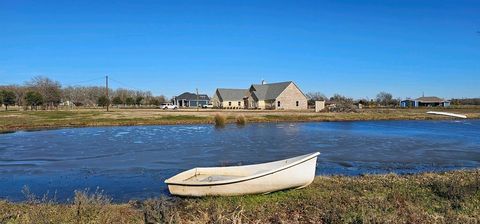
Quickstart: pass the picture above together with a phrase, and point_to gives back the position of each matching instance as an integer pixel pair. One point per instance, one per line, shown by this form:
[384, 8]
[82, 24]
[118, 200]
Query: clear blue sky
[356, 48]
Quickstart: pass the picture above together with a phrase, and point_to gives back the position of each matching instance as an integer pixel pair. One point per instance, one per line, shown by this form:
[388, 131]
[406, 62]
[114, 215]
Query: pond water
[132, 162]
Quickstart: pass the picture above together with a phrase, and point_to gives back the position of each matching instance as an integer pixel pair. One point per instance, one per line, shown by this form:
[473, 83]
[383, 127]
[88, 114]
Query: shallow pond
[132, 162]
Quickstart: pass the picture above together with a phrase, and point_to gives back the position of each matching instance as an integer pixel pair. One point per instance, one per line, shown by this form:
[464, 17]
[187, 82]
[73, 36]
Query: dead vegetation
[220, 120]
[452, 197]
[241, 120]
[87, 207]
[33, 120]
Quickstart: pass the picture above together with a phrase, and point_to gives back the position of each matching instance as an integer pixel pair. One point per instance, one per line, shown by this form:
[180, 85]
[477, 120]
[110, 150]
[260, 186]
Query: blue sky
[355, 48]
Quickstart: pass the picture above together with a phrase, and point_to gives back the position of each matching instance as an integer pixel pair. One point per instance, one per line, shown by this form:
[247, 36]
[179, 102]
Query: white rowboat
[447, 114]
[296, 172]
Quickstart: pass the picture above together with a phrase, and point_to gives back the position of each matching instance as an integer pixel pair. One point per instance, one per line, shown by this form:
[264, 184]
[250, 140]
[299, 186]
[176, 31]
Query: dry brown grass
[22, 120]
[452, 197]
[86, 208]
[220, 120]
[241, 120]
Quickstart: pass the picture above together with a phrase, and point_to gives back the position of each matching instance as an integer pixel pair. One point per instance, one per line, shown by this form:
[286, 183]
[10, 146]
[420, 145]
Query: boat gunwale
[447, 114]
[307, 157]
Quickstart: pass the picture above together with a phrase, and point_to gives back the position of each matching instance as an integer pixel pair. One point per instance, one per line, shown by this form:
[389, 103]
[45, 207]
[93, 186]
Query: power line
[106, 90]
[90, 80]
[68, 84]
[6, 84]
[124, 85]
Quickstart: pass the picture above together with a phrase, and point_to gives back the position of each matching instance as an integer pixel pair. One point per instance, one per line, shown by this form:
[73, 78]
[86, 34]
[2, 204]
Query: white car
[168, 106]
[207, 105]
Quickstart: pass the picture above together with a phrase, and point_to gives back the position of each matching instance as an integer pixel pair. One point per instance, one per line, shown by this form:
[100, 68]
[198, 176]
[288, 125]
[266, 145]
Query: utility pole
[197, 99]
[106, 91]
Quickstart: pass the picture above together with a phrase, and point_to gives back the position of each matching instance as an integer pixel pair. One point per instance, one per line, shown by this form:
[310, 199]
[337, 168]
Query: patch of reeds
[97, 198]
[86, 207]
[220, 120]
[241, 120]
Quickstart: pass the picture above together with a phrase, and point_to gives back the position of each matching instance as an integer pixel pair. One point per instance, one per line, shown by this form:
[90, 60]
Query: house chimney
[264, 82]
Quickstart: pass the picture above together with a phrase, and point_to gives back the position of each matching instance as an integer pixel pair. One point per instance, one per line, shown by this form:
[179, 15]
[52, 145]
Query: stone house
[273, 96]
[230, 98]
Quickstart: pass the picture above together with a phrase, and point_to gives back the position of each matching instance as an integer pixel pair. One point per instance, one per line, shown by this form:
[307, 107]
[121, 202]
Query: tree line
[382, 99]
[466, 101]
[45, 93]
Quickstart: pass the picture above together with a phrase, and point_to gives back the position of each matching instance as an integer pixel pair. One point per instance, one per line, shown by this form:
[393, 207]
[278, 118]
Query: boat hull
[297, 176]
[447, 114]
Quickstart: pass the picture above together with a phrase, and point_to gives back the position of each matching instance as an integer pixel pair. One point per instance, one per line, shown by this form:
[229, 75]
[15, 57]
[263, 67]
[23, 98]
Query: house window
[278, 104]
[239, 103]
[297, 103]
[229, 104]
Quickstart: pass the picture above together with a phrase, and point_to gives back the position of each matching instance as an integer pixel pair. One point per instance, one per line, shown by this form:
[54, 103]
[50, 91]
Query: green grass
[452, 197]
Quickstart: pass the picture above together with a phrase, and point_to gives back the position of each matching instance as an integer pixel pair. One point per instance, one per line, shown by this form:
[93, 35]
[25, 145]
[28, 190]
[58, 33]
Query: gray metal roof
[430, 99]
[232, 94]
[269, 91]
[192, 96]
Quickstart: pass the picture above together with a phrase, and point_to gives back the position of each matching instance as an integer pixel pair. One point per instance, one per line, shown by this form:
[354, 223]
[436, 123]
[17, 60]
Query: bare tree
[162, 99]
[49, 89]
[83, 95]
[385, 99]
[75, 95]
[342, 104]
[315, 96]
[52, 94]
[466, 101]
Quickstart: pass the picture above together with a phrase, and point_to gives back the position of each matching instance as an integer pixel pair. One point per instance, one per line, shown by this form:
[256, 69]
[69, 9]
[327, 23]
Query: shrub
[103, 101]
[241, 120]
[220, 120]
[84, 197]
[342, 104]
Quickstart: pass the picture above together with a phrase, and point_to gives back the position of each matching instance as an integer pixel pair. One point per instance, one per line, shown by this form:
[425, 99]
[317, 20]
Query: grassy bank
[452, 197]
[24, 120]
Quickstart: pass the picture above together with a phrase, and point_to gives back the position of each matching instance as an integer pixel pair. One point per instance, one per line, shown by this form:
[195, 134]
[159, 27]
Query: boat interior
[225, 174]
